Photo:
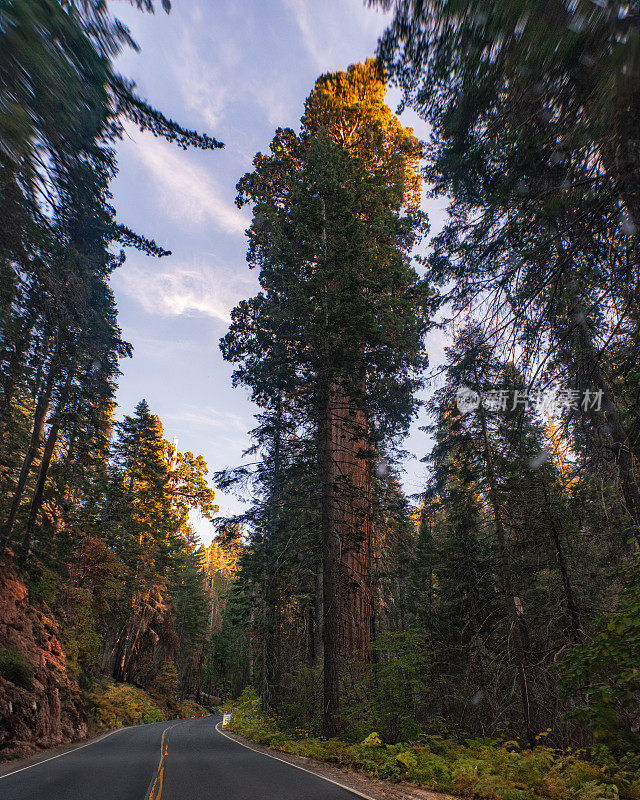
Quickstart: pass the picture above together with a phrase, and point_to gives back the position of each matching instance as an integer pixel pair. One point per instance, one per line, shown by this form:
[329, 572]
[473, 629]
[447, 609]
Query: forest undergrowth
[480, 768]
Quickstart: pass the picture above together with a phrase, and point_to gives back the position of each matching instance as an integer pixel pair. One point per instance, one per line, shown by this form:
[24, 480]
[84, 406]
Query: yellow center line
[156, 788]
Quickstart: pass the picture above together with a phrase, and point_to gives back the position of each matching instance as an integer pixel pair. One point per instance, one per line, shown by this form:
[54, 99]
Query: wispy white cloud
[185, 191]
[272, 96]
[184, 290]
[206, 90]
[203, 94]
[230, 84]
[335, 27]
[313, 41]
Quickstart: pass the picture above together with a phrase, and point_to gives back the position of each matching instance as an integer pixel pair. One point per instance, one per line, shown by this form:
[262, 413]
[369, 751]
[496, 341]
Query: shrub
[15, 667]
[189, 708]
[117, 705]
[152, 715]
[408, 760]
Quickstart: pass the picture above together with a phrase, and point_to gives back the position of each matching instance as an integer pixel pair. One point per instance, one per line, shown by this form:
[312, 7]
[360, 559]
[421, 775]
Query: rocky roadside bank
[40, 702]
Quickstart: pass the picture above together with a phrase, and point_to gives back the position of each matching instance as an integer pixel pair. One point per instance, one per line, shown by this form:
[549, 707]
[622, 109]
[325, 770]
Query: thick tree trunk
[346, 525]
[352, 519]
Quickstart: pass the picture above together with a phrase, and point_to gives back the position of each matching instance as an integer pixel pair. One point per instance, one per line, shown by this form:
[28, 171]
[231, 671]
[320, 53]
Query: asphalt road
[180, 760]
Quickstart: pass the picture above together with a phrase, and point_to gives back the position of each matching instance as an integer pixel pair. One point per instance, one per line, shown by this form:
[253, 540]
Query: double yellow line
[155, 792]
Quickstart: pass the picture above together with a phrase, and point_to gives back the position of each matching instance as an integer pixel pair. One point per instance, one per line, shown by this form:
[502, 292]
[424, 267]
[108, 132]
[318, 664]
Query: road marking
[155, 790]
[295, 766]
[75, 750]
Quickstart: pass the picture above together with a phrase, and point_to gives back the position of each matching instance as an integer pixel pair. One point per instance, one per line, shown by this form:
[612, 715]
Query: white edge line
[295, 766]
[73, 750]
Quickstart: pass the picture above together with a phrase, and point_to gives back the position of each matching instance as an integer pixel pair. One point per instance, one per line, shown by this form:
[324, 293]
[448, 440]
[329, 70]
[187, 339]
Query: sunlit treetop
[350, 107]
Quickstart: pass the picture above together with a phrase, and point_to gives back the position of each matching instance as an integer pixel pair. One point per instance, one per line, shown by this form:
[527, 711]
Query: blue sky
[236, 70]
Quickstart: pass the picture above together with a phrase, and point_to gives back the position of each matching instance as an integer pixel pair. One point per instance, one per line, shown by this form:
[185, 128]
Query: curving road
[180, 760]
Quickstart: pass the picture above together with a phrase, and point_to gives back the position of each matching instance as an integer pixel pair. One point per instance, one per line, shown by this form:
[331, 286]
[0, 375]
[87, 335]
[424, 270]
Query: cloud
[185, 191]
[206, 89]
[272, 96]
[201, 91]
[185, 290]
[230, 85]
[327, 35]
[310, 37]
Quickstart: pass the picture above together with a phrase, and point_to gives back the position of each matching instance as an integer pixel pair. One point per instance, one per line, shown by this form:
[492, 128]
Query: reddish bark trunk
[346, 523]
[351, 511]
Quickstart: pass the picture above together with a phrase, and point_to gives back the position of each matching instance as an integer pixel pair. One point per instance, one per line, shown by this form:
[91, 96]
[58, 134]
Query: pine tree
[62, 110]
[533, 143]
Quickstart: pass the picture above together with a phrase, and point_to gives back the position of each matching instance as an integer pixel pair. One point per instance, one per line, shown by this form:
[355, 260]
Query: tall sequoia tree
[337, 328]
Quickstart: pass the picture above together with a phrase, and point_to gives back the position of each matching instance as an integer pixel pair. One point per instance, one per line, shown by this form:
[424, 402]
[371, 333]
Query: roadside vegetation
[481, 768]
[116, 705]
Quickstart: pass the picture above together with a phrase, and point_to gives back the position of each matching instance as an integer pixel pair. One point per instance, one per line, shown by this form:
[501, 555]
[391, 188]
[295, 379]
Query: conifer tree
[530, 113]
[147, 501]
[339, 323]
[62, 110]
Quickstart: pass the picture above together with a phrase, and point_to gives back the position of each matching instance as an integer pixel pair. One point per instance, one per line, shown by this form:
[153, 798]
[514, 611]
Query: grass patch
[482, 769]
